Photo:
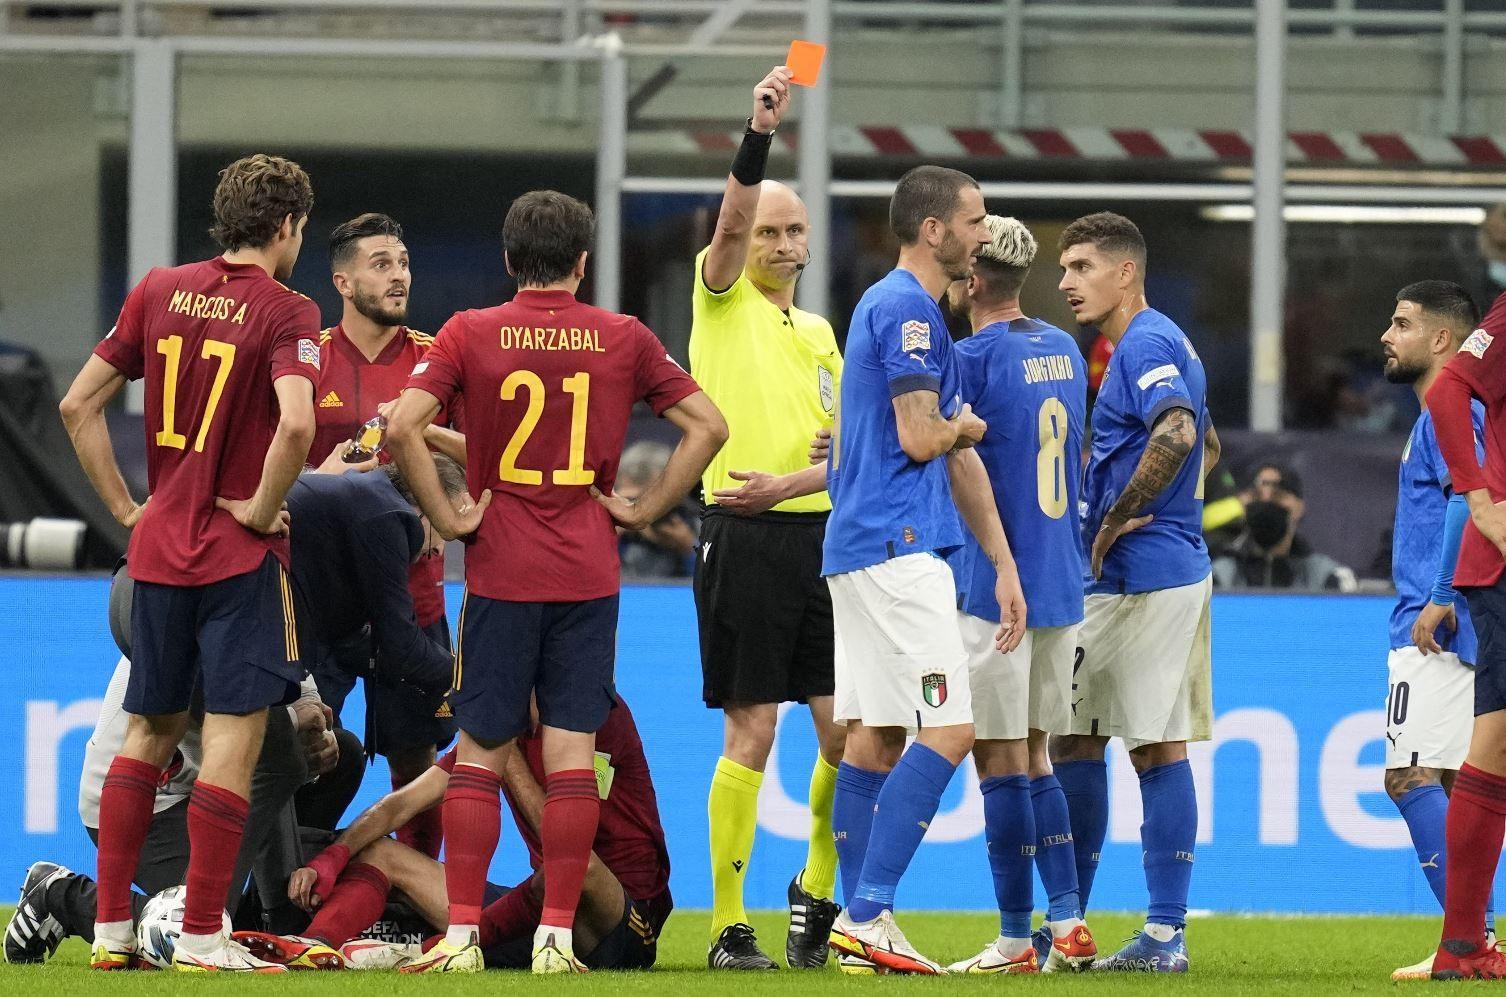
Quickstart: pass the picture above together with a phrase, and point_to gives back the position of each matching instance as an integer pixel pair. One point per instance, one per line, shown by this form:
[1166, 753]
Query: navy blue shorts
[397, 718]
[563, 652]
[235, 638]
[1487, 608]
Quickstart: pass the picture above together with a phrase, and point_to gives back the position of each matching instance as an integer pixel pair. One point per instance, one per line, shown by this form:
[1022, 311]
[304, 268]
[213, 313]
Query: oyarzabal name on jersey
[1053, 368]
[535, 338]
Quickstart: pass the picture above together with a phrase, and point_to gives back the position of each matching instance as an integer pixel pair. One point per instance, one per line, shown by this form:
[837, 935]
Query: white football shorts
[1146, 674]
[1430, 709]
[1028, 688]
[899, 656]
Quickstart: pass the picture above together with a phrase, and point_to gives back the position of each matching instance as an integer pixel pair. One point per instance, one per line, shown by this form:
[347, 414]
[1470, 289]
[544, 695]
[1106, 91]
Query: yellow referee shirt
[775, 378]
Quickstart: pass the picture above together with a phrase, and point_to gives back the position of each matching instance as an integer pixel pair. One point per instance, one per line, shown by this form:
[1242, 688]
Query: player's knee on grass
[1076, 748]
[748, 733]
[1400, 782]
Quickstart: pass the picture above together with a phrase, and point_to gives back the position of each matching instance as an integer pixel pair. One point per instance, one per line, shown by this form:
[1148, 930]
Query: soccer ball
[161, 921]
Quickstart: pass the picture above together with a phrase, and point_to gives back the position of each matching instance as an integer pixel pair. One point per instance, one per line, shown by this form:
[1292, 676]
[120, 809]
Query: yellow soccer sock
[733, 809]
[820, 876]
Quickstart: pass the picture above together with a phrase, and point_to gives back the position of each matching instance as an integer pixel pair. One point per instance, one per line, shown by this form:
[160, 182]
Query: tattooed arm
[925, 434]
[1171, 441]
[1212, 450]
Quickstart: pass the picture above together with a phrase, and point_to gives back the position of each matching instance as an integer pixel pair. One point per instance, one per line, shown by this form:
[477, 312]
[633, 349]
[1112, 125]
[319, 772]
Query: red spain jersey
[349, 390]
[210, 338]
[1481, 365]
[545, 387]
[629, 836]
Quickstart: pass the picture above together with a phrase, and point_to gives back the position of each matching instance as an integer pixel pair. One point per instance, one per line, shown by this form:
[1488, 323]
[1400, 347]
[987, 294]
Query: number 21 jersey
[210, 339]
[546, 386]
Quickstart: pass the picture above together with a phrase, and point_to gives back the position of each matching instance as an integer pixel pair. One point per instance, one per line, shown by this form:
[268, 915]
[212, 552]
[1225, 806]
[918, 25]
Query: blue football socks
[1086, 786]
[1425, 809]
[852, 820]
[1168, 836]
[1009, 830]
[1054, 852]
[906, 806]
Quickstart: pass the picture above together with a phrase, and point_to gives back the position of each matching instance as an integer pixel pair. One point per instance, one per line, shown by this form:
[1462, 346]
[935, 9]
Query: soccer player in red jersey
[545, 386]
[1477, 804]
[230, 357]
[626, 898]
[364, 362]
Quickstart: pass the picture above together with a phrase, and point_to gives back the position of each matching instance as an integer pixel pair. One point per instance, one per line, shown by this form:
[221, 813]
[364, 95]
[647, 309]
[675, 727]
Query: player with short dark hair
[545, 386]
[1028, 381]
[1144, 671]
[1431, 682]
[230, 357]
[900, 663]
[365, 360]
[1477, 801]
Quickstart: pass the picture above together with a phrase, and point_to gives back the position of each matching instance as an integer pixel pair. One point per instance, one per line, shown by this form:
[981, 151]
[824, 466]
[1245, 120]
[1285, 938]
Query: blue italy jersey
[1027, 380]
[1422, 493]
[883, 503]
[1154, 369]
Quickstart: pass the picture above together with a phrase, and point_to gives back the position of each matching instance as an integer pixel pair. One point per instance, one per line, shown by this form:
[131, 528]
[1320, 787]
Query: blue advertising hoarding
[1292, 813]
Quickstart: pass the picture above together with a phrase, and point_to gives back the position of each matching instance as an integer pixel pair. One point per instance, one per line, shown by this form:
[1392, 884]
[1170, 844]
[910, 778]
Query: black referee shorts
[764, 609]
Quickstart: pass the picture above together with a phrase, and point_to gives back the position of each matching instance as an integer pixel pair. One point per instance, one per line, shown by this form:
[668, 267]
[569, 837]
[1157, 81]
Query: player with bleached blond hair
[1025, 378]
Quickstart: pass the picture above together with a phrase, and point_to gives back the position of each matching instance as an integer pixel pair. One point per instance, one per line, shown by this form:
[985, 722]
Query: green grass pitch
[1230, 955]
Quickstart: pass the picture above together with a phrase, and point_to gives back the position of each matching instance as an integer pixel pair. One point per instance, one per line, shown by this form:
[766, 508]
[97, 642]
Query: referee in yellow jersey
[763, 607]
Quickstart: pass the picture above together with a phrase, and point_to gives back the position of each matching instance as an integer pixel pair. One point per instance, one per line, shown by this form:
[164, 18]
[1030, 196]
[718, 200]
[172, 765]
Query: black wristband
[752, 157]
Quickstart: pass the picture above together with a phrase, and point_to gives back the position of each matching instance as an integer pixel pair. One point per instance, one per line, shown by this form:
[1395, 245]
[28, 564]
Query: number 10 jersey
[545, 389]
[1027, 380]
[210, 339]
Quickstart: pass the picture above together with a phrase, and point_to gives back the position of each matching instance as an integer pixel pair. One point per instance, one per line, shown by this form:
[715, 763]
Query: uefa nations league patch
[1478, 342]
[915, 336]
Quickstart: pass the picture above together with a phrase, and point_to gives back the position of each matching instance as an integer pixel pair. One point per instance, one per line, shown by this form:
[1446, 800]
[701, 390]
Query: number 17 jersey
[210, 338]
[1027, 380]
[545, 387]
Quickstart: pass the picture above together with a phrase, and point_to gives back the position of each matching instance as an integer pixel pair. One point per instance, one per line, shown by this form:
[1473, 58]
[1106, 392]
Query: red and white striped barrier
[1124, 144]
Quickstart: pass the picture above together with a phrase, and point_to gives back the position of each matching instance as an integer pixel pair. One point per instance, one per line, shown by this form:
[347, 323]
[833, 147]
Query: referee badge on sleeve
[827, 387]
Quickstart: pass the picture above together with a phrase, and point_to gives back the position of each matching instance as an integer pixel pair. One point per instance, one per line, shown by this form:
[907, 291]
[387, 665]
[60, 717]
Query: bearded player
[545, 386]
[1430, 698]
[230, 357]
[365, 360]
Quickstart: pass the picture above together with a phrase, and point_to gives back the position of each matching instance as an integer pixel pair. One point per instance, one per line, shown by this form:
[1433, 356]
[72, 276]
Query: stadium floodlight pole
[611, 167]
[1451, 103]
[152, 191]
[1268, 231]
[815, 168]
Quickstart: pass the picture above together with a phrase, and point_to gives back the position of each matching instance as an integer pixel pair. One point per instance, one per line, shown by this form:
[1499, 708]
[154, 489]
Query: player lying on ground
[625, 898]
[1430, 702]
[57, 903]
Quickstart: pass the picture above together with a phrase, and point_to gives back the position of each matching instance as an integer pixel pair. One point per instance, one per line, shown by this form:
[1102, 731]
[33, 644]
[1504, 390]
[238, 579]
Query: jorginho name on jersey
[884, 504]
[1153, 369]
[1422, 493]
[1027, 380]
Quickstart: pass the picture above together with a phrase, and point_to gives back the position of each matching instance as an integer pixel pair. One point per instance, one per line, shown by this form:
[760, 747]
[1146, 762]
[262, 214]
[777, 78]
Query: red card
[804, 61]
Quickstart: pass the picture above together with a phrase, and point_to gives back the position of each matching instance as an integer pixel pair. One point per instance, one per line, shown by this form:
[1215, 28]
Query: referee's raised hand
[776, 88]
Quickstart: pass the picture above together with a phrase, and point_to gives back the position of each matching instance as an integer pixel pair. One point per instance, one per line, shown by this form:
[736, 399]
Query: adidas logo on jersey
[444, 712]
[331, 400]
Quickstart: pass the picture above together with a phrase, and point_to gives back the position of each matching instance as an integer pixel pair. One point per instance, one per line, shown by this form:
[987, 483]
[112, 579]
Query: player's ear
[342, 283]
[933, 231]
[579, 272]
[288, 227]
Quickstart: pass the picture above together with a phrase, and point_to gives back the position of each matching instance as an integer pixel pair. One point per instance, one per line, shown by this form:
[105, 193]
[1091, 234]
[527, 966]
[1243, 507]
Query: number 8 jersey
[546, 386]
[209, 338]
[1027, 380]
